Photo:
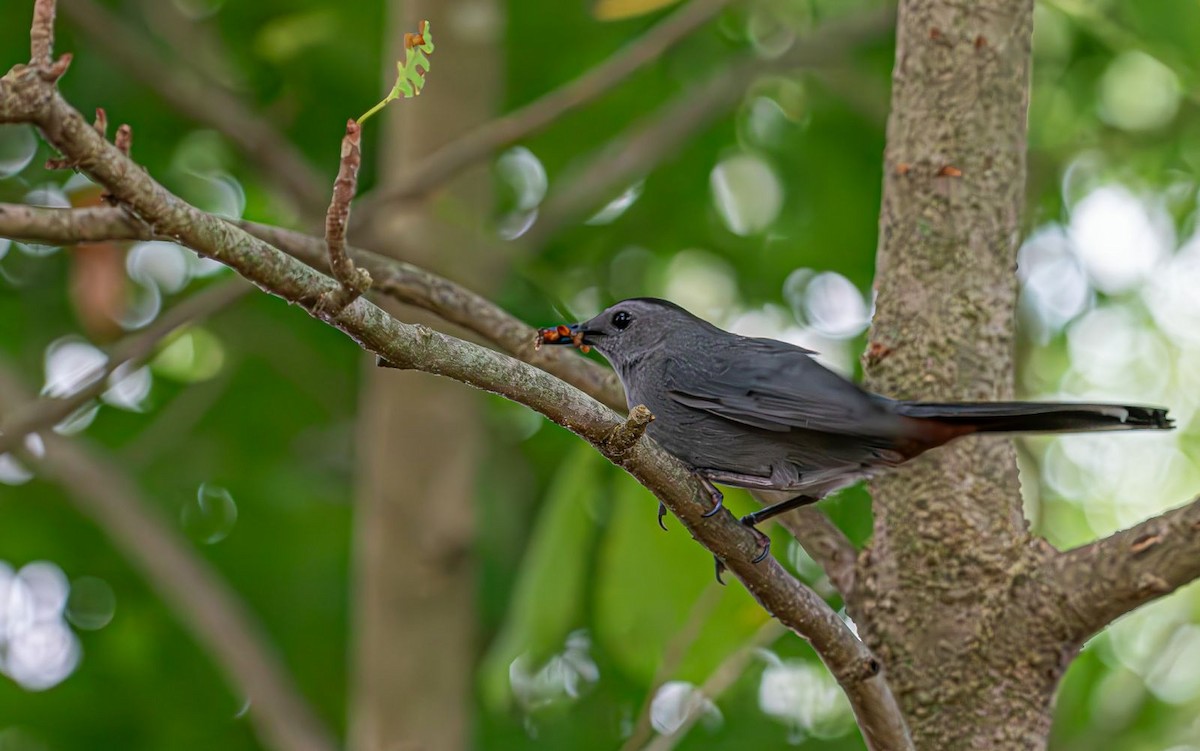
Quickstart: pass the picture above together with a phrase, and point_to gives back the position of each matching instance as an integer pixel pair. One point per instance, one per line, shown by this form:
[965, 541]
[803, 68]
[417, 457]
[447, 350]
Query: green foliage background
[566, 541]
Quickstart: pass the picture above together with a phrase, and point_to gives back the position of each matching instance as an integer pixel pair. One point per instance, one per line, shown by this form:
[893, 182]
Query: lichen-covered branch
[1105, 579]
[402, 281]
[450, 301]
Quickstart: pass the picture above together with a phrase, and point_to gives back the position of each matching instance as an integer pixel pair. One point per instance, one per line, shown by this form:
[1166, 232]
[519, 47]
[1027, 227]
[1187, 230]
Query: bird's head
[626, 331]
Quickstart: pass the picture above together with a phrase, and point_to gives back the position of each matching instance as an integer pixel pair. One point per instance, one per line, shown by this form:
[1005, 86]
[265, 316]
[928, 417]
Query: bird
[763, 414]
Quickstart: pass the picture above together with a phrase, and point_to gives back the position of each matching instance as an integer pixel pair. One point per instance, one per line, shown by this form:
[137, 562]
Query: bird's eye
[621, 319]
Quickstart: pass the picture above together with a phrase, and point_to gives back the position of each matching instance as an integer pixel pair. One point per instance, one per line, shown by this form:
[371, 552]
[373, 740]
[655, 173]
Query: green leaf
[619, 10]
[548, 598]
[410, 72]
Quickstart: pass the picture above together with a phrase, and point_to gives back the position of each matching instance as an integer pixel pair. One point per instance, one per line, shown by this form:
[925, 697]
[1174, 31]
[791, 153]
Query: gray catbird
[762, 414]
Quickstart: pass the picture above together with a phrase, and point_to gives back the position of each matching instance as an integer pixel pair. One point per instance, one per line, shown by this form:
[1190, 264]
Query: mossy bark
[950, 585]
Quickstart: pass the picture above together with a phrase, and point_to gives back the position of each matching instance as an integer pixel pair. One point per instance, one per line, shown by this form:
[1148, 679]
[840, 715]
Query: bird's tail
[1038, 417]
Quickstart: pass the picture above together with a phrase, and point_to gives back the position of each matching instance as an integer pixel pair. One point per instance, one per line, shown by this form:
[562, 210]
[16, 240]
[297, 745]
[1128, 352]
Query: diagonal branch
[402, 281]
[450, 160]
[452, 302]
[26, 97]
[206, 606]
[1105, 579]
[634, 153]
[827, 545]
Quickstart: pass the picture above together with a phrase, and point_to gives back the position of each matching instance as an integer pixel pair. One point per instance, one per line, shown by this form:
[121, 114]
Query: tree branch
[188, 92]
[205, 605]
[402, 281]
[634, 153]
[41, 414]
[412, 285]
[454, 157]
[1105, 579]
[26, 97]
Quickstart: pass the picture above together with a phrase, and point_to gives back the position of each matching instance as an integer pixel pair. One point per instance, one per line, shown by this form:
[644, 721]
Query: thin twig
[401, 281]
[205, 605]
[129, 353]
[355, 281]
[41, 33]
[453, 158]
[124, 138]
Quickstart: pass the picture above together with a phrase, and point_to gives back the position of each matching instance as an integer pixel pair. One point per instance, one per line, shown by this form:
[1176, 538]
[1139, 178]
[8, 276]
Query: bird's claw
[662, 511]
[720, 567]
[764, 545]
[718, 499]
[764, 542]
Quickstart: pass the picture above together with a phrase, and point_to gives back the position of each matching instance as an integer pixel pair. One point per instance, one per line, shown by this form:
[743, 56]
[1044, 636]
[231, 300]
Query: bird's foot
[718, 498]
[662, 512]
[764, 546]
[764, 541]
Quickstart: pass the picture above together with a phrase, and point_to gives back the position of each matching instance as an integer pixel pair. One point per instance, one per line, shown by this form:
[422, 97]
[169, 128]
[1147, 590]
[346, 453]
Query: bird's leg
[758, 517]
[662, 511]
[718, 498]
[770, 512]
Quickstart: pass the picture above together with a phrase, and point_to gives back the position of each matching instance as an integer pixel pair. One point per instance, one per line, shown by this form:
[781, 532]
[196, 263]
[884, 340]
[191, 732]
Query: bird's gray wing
[775, 386]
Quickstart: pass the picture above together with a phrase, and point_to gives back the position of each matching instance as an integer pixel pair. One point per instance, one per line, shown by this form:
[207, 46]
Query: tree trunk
[420, 436]
[953, 598]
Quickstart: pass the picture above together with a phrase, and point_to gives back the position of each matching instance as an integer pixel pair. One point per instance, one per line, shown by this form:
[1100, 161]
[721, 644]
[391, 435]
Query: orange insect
[561, 331]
